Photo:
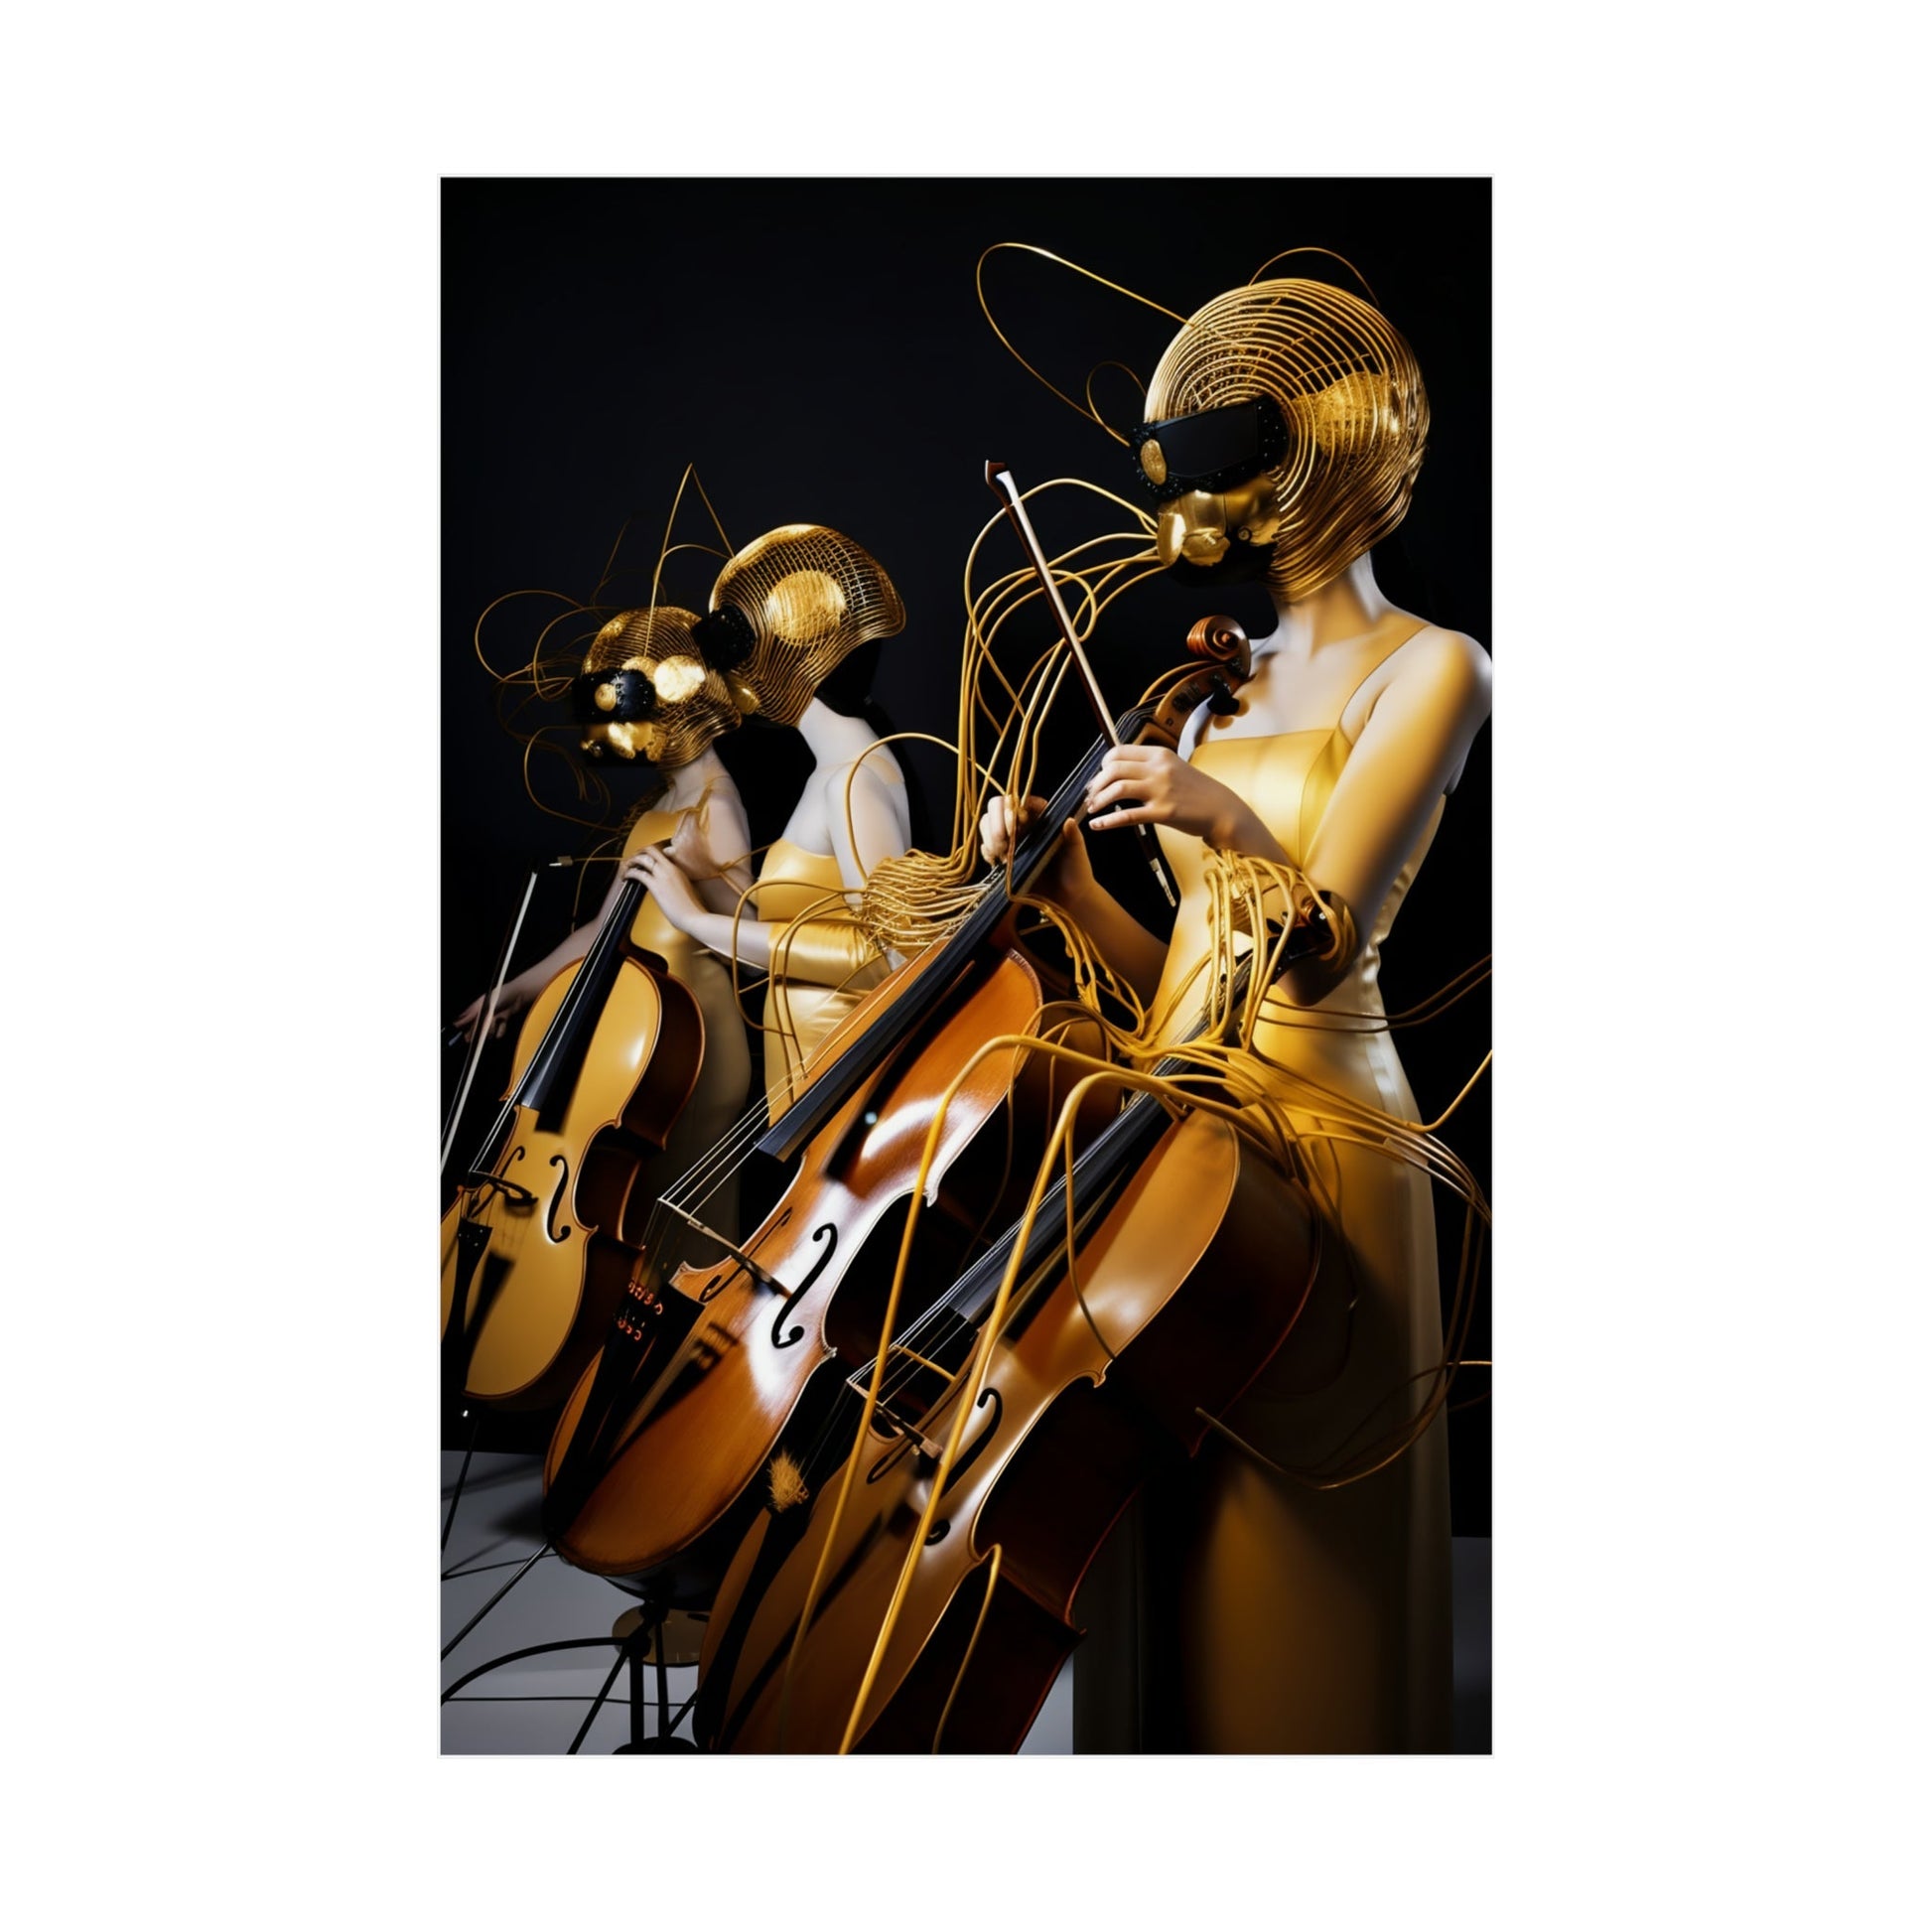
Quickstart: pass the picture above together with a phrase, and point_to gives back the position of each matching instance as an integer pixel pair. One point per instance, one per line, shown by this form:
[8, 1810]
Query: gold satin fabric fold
[822, 963]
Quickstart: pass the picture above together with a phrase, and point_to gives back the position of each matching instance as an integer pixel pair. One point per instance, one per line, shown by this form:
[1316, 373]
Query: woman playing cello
[1297, 1575]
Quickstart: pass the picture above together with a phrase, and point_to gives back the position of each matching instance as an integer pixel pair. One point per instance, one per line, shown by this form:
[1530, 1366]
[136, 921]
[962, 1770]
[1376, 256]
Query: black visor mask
[1210, 451]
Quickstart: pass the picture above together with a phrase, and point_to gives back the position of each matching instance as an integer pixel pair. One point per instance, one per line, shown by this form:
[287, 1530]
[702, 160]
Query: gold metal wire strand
[528, 669]
[1047, 254]
[913, 899]
[690, 476]
[972, 1644]
[1310, 248]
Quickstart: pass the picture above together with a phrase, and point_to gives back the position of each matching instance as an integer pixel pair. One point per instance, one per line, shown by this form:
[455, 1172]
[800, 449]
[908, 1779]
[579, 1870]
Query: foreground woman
[1291, 1591]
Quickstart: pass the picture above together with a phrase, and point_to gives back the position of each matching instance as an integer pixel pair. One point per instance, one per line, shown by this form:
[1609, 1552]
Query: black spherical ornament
[614, 697]
[725, 637]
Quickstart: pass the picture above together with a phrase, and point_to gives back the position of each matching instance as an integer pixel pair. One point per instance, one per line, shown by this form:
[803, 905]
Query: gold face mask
[788, 609]
[1322, 374]
[646, 692]
[1204, 528]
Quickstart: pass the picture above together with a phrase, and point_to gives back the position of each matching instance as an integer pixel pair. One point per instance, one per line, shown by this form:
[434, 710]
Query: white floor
[534, 1706]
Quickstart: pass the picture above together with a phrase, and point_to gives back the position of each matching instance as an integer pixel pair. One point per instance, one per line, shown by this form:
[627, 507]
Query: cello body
[1195, 1275]
[539, 1240]
[702, 1377]
[659, 1457]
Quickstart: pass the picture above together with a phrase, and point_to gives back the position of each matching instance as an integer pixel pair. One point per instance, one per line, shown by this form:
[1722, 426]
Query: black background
[816, 347]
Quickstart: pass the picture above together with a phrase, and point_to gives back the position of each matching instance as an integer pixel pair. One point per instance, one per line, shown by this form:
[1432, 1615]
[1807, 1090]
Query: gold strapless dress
[724, 1077]
[822, 964]
[1234, 1610]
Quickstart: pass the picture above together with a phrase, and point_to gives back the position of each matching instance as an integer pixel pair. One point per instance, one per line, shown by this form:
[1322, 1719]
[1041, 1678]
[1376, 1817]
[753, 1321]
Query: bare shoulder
[721, 822]
[1439, 668]
[1445, 658]
[873, 779]
[876, 767]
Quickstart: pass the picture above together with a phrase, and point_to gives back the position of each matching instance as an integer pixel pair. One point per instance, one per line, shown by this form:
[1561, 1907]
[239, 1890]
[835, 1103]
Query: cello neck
[552, 1072]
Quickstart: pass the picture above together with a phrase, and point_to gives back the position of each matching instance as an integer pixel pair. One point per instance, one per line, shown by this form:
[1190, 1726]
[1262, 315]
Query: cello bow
[1000, 481]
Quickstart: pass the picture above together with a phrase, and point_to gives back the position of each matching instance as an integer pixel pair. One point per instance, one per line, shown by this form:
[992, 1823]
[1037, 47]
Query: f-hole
[969, 1455]
[550, 1226]
[826, 1231]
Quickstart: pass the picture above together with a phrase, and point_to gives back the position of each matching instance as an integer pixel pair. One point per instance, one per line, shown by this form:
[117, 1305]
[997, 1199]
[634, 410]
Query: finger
[1113, 773]
[995, 830]
[1124, 815]
[1122, 789]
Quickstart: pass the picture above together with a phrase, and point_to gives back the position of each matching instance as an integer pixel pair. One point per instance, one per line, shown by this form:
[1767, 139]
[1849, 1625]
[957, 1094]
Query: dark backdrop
[816, 347]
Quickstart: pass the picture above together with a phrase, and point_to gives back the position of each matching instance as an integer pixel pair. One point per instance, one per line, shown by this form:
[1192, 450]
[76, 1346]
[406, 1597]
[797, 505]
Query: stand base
[683, 1634]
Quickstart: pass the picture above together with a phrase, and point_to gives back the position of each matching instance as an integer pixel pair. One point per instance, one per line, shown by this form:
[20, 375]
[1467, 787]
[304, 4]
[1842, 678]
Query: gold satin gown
[725, 1076]
[1234, 1610]
[822, 964]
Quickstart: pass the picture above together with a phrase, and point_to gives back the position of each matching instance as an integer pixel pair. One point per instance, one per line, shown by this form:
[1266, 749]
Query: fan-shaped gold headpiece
[645, 690]
[1351, 401]
[789, 609]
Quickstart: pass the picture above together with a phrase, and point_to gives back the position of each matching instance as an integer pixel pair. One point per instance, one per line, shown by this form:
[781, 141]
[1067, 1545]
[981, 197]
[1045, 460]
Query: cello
[655, 1467]
[999, 1438]
[1090, 1367]
[537, 1247]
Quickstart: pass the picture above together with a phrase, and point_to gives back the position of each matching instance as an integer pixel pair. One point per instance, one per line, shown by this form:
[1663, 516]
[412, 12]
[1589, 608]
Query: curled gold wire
[1027, 247]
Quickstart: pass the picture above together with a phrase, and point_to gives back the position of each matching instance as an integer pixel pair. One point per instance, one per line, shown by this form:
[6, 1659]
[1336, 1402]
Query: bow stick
[482, 1026]
[1000, 481]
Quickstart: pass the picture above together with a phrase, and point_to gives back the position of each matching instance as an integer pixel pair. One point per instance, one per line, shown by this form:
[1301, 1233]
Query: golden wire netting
[693, 707]
[1353, 396]
[812, 597]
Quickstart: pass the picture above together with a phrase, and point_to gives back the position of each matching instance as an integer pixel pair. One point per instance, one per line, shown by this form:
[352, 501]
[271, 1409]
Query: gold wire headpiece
[583, 637]
[1347, 386]
[789, 609]
[646, 692]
